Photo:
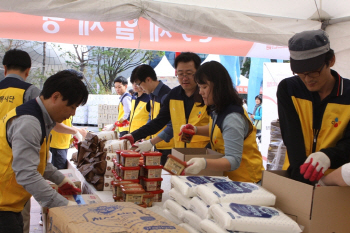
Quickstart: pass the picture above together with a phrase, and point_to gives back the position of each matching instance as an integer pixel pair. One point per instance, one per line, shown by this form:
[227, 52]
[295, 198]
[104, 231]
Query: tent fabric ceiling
[264, 21]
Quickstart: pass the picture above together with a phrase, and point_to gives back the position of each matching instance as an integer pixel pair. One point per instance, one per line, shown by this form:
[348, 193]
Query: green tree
[109, 62]
[246, 67]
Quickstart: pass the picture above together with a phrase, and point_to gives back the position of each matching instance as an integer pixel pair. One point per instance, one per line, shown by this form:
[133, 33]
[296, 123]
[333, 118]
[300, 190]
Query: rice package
[209, 226]
[174, 208]
[252, 218]
[187, 185]
[238, 192]
[199, 207]
[192, 219]
[166, 213]
[179, 198]
[188, 228]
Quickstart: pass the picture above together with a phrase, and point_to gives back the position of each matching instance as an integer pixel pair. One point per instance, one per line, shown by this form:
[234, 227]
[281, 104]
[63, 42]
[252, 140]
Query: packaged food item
[108, 183]
[158, 195]
[116, 186]
[134, 196]
[151, 158]
[152, 184]
[186, 135]
[129, 158]
[151, 171]
[118, 152]
[148, 199]
[174, 165]
[110, 156]
[129, 173]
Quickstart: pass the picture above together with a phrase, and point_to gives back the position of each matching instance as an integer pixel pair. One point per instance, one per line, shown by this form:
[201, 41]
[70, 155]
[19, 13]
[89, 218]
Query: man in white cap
[314, 109]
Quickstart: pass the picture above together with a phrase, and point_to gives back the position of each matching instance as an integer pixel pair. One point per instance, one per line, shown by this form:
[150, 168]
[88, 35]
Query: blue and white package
[199, 207]
[209, 226]
[192, 219]
[233, 191]
[179, 198]
[252, 218]
[174, 208]
[188, 228]
[187, 185]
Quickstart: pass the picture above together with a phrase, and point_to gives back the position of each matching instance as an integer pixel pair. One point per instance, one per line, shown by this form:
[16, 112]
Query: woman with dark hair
[257, 113]
[230, 130]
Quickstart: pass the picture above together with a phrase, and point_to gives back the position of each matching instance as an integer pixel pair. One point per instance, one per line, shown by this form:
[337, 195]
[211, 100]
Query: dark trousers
[164, 157]
[11, 222]
[121, 134]
[59, 158]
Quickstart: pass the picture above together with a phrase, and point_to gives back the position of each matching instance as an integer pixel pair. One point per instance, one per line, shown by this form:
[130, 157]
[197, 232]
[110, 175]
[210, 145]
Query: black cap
[308, 50]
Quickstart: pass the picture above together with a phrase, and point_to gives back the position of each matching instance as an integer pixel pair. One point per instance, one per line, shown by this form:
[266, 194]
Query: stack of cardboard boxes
[107, 114]
[277, 150]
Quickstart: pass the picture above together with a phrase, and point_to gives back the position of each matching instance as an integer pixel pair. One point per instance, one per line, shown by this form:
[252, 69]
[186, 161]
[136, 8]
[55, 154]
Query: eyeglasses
[188, 75]
[138, 84]
[312, 74]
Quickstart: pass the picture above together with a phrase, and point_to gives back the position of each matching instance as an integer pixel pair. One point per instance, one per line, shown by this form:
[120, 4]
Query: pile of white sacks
[216, 204]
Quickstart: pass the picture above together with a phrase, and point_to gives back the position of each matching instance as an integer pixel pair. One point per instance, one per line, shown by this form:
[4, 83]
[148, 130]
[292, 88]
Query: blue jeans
[59, 158]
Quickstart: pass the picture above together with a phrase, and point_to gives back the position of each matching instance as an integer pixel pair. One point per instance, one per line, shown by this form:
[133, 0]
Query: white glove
[71, 203]
[144, 146]
[78, 136]
[189, 126]
[315, 166]
[109, 127]
[195, 165]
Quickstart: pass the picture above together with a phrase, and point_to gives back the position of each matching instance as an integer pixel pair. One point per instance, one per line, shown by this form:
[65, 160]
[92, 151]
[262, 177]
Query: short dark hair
[69, 85]
[121, 79]
[223, 91]
[187, 57]
[16, 59]
[259, 97]
[329, 56]
[142, 72]
[78, 74]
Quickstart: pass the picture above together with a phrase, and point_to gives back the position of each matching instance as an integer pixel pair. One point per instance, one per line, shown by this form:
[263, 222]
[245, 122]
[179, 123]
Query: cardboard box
[318, 209]
[70, 174]
[84, 199]
[186, 154]
[108, 217]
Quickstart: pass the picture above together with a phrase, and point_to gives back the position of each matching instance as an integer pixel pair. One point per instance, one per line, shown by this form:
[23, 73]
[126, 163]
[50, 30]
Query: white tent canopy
[164, 68]
[264, 21]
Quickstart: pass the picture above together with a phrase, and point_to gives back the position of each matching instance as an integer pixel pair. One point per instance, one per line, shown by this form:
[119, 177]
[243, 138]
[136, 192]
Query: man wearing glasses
[314, 109]
[182, 106]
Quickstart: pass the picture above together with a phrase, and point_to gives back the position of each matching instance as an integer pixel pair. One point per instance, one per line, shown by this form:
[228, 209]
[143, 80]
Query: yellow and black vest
[322, 130]
[198, 117]
[61, 140]
[121, 113]
[13, 196]
[251, 167]
[155, 108]
[139, 113]
[11, 94]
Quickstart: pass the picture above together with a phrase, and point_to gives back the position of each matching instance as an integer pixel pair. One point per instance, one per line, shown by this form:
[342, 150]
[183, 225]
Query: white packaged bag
[111, 146]
[174, 208]
[199, 207]
[209, 226]
[107, 135]
[187, 185]
[188, 228]
[192, 219]
[171, 217]
[238, 192]
[179, 198]
[252, 218]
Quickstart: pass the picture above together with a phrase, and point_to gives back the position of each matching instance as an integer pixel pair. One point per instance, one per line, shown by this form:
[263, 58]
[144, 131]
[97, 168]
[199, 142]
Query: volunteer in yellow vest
[14, 91]
[145, 77]
[60, 142]
[230, 130]
[182, 105]
[140, 106]
[121, 85]
[314, 109]
[24, 138]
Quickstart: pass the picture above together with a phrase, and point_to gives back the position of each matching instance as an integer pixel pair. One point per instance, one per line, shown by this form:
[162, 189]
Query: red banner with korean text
[140, 34]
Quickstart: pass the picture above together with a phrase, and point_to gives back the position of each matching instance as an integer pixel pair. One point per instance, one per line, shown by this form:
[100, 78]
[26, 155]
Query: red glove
[314, 166]
[122, 124]
[67, 187]
[75, 142]
[128, 137]
[183, 128]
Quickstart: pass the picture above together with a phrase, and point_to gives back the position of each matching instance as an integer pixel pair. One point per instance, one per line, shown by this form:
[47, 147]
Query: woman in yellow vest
[230, 130]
